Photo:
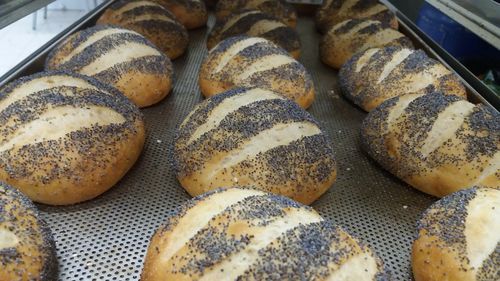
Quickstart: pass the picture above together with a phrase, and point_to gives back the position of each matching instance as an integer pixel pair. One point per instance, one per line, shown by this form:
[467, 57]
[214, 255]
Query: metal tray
[106, 238]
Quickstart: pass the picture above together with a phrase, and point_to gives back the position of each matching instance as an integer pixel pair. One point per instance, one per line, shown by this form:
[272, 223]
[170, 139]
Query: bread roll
[333, 12]
[251, 61]
[349, 37]
[120, 57]
[191, 13]
[257, 24]
[244, 234]
[66, 138]
[459, 238]
[376, 75]
[254, 137]
[152, 21]
[27, 249]
[437, 143]
[276, 8]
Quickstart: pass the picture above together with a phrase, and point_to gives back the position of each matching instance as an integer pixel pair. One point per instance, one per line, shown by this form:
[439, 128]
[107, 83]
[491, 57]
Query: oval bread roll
[256, 24]
[191, 13]
[27, 249]
[152, 21]
[376, 75]
[120, 57]
[244, 234]
[254, 137]
[276, 8]
[349, 37]
[66, 138]
[333, 12]
[255, 62]
[459, 238]
[437, 143]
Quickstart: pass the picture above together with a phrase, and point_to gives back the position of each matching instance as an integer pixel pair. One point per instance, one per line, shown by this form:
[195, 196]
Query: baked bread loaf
[251, 61]
[27, 249]
[349, 37]
[459, 238]
[119, 57]
[244, 234]
[152, 21]
[256, 24]
[276, 8]
[333, 12]
[191, 13]
[437, 143]
[373, 76]
[254, 137]
[66, 138]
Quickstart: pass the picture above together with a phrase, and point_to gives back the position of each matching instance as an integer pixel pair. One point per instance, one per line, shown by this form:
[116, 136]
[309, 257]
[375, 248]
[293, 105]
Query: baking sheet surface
[106, 238]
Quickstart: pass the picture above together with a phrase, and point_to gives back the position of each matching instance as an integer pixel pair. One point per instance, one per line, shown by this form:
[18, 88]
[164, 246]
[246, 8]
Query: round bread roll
[244, 234]
[349, 37]
[437, 143]
[257, 24]
[333, 12]
[371, 77]
[191, 13]
[276, 8]
[152, 21]
[251, 136]
[120, 57]
[66, 138]
[27, 249]
[255, 62]
[459, 238]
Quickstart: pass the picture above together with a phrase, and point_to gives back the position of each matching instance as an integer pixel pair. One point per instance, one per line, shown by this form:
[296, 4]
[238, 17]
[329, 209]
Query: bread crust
[32, 256]
[346, 38]
[284, 75]
[258, 24]
[300, 165]
[243, 234]
[276, 8]
[437, 143]
[152, 21]
[375, 75]
[440, 251]
[144, 75]
[191, 13]
[335, 11]
[71, 164]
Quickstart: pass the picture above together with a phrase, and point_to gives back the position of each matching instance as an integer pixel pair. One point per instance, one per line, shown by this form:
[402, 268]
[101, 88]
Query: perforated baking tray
[106, 238]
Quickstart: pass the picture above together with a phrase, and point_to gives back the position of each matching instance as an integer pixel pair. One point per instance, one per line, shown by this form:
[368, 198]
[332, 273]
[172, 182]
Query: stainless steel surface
[106, 238]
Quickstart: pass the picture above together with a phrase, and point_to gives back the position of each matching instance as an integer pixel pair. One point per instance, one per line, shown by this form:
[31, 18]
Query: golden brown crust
[258, 24]
[191, 13]
[275, 8]
[243, 234]
[72, 163]
[333, 12]
[446, 234]
[371, 77]
[347, 38]
[228, 64]
[27, 248]
[118, 57]
[299, 165]
[152, 21]
[437, 143]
